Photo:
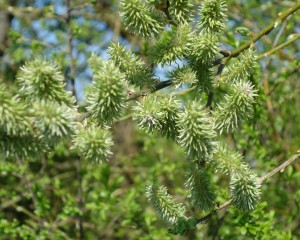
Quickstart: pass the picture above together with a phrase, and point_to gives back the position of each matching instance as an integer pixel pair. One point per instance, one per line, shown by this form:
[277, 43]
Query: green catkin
[165, 206]
[42, 80]
[196, 134]
[135, 70]
[141, 19]
[213, 16]
[241, 69]
[237, 107]
[245, 191]
[93, 143]
[108, 93]
[201, 193]
[173, 45]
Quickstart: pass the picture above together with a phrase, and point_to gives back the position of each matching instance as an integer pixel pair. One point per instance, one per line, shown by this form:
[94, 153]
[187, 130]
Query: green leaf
[192, 223]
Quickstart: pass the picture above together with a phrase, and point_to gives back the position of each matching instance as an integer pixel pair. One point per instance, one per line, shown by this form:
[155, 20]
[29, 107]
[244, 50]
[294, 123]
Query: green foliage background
[48, 197]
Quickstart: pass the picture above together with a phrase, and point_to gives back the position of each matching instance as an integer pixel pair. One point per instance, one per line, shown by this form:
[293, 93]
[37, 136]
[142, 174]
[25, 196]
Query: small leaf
[243, 230]
[192, 223]
[244, 31]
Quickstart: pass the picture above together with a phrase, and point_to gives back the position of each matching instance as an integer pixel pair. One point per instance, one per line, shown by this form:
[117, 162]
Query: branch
[281, 17]
[280, 32]
[260, 181]
[225, 53]
[142, 93]
[168, 83]
[10, 202]
[30, 13]
[70, 48]
[279, 168]
[165, 10]
[216, 79]
[165, 84]
[184, 91]
[235, 53]
[279, 47]
[153, 89]
[72, 80]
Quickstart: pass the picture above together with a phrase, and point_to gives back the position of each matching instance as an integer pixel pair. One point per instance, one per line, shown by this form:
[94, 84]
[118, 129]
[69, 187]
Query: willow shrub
[194, 125]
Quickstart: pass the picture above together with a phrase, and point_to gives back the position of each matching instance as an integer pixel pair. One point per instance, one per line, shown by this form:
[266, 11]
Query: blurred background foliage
[53, 199]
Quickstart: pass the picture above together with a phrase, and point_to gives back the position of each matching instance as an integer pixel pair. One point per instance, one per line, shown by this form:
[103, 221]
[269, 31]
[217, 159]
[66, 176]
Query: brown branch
[10, 202]
[205, 218]
[165, 10]
[218, 225]
[216, 79]
[70, 48]
[225, 53]
[80, 198]
[72, 80]
[142, 93]
[281, 17]
[153, 89]
[279, 168]
[235, 53]
[276, 136]
[208, 216]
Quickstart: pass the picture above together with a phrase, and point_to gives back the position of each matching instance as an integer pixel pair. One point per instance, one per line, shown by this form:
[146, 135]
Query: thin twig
[235, 53]
[260, 181]
[80, 198]
[30, 12]
[216, 79]
[279, 168]
[220, 221]
[27, 212]
[276, 136]
[29, 185]
[225, 53]
[70, 47]
[184, 91]
[142, 93]
[281, 17]
[72, 80]
[153, 89]
[166, 11]
[279, 47]
[279, 34]
[83, 5]
[296, 70]
[10, 202]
